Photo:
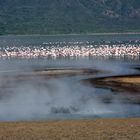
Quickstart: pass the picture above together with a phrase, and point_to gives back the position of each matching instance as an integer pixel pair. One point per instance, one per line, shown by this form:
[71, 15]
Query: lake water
[38, 40]
[25, 96]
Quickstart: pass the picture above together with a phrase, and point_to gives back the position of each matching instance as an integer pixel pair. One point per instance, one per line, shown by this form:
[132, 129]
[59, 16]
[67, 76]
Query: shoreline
[120, 83]
[99, 129]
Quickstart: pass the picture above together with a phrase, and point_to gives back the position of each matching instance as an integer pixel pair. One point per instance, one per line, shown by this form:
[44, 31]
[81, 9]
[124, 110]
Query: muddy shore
[122, 83]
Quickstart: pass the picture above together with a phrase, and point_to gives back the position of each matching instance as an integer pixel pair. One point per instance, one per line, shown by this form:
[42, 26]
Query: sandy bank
[126, 83]
[100, 129]
[126, 79]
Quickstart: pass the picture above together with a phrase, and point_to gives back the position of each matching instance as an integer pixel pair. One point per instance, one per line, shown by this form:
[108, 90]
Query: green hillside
[68, 16]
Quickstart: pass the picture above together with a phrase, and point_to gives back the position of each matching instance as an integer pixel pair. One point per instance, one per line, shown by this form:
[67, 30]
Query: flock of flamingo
[117, 50]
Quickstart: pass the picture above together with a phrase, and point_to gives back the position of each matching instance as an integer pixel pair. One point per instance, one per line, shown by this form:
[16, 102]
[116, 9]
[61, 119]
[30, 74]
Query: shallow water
[40, 40]
[62, 97]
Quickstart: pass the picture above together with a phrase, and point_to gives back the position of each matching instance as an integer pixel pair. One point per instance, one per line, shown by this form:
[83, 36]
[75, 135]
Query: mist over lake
[41, 87]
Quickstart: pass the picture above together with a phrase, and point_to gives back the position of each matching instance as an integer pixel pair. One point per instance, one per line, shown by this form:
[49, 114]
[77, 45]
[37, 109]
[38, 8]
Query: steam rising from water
[59, 98]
